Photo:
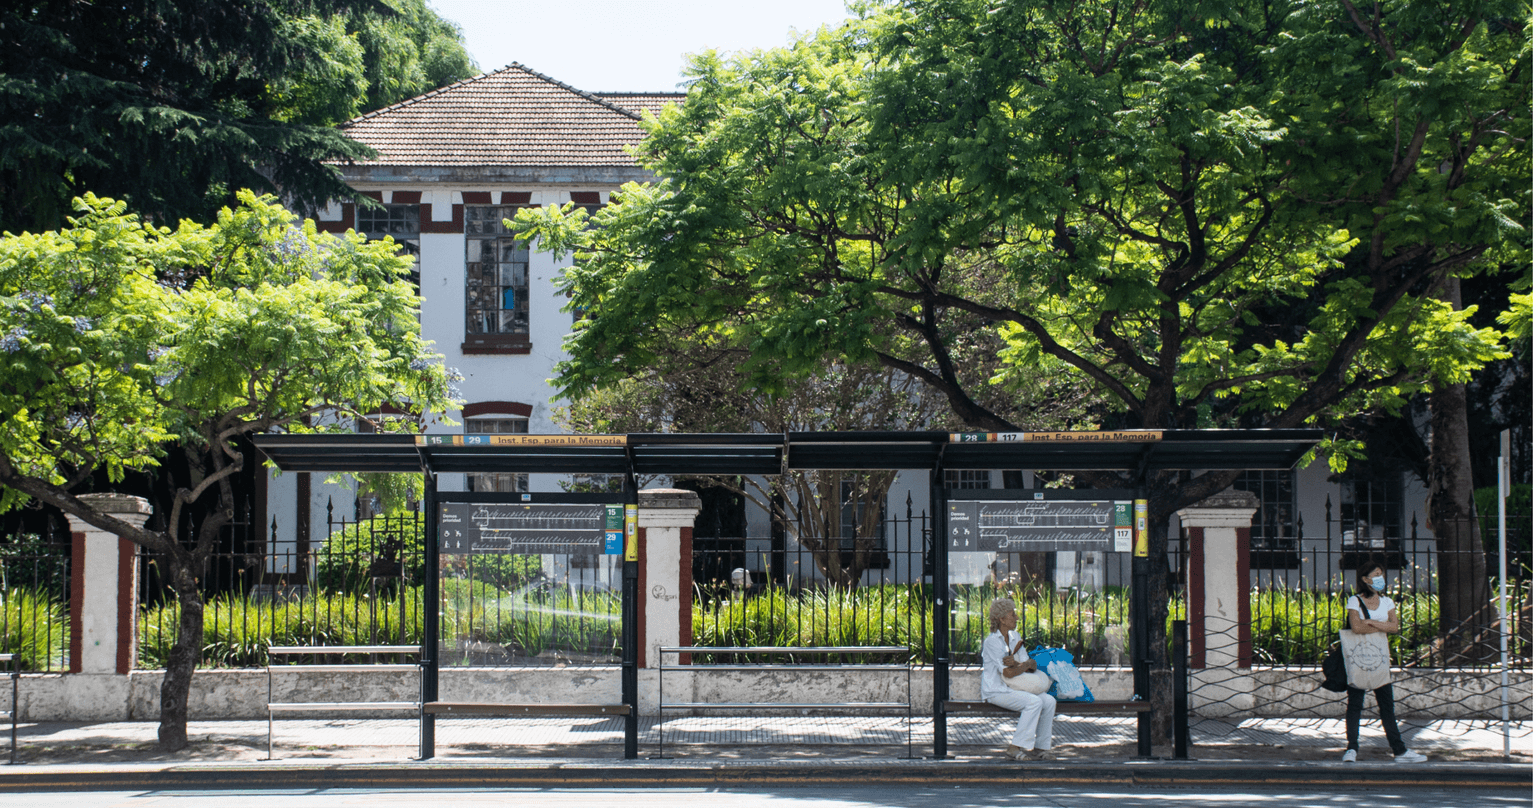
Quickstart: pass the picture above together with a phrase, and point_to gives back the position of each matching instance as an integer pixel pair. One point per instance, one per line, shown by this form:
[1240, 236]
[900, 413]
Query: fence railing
[363, 585]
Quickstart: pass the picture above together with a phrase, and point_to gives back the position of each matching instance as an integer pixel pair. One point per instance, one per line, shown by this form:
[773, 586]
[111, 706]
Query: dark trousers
[1356, 704]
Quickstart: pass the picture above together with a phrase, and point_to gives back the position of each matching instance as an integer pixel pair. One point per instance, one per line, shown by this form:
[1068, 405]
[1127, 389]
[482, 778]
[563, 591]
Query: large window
[1371, 518]
[496, 284]
[967, 478]
[508, 483]
[1272, 538]
[861, 518]
[401, 223]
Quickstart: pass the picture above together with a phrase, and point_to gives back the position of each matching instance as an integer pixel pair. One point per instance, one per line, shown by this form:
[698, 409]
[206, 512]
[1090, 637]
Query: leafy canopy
[117, 337]
[1219, 214]
[174, 105]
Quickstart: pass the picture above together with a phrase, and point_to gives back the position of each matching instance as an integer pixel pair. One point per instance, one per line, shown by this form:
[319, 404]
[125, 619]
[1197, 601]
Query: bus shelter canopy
[774, 453]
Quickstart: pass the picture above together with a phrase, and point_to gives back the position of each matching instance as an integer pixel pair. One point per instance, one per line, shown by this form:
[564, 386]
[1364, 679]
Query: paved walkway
[976, 736]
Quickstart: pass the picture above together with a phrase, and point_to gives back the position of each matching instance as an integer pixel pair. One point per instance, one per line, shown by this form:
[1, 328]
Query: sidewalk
[740, 749]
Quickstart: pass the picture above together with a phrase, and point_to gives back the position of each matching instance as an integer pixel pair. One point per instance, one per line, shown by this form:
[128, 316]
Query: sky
[625, 45]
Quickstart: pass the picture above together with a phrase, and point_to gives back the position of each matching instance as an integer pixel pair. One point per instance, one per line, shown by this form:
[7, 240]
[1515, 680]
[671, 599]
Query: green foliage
[1216, 215]
[1517, 510]
[117, 338]
[175, 105]
[238, 629]
[480, 624]
[387, 547]
[34, 625]
[386, 550]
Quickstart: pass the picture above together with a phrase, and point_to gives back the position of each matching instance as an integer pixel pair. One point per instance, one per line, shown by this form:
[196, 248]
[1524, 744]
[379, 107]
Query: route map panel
[530, 528]
[1024, 526]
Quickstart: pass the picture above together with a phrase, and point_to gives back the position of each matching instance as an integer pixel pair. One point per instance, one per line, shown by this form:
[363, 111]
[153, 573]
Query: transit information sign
[1023, 526]
[537, 527]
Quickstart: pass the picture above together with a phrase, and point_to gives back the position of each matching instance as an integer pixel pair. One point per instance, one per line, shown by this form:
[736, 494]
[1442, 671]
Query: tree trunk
[1463, 578]
[1160, 675]
[185, 653]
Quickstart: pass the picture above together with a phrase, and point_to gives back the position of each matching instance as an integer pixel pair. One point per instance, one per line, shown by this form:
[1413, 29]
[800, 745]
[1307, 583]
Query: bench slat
[1081, 707]
[474, 708]
[776, 705]
[343, 706]
[343, 668]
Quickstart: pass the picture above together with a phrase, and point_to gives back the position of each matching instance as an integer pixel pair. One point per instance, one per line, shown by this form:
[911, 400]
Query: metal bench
[274, 707]
[848, 650]
[1062, 707]
[551, 709]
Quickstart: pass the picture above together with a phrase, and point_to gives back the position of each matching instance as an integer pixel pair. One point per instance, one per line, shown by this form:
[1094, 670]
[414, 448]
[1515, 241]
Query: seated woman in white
[1002, 654]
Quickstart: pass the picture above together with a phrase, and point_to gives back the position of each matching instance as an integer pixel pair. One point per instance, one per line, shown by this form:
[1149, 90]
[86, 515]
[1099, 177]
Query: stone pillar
[666, 570]
[1219, 621]
[104, 589]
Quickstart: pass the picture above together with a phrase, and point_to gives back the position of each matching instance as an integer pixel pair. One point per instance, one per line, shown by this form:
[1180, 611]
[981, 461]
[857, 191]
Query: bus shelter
[466, 524]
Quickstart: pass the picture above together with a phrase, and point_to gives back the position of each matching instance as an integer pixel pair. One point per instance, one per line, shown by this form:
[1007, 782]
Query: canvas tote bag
[1367, 657]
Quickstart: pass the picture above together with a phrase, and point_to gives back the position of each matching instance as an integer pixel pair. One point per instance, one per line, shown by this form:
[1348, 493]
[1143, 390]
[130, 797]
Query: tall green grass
[35, 627]
[481, 623]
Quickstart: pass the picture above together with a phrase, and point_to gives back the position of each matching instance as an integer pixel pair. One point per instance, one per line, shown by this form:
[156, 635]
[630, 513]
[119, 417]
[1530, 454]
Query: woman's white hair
[999, 609]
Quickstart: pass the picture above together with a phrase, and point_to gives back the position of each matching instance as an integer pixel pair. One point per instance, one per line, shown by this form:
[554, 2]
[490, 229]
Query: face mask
[1378, 583]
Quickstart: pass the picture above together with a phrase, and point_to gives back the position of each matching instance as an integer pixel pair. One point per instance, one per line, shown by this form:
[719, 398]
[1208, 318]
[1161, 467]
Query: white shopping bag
[1367, 659]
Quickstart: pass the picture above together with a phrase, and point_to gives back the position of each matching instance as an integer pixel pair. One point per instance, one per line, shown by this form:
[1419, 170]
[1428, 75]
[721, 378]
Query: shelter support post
[430, 630]
[1180, 690]
[629, 676]
[940, 550]
[1141, 650]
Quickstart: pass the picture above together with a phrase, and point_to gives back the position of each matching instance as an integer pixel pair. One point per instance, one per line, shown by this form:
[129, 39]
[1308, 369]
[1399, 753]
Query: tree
[696, 387]
[1219, 214]
[120, 339]
[175, 105]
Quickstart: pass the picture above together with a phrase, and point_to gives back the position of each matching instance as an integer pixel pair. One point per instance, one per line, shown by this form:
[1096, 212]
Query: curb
[587, 774]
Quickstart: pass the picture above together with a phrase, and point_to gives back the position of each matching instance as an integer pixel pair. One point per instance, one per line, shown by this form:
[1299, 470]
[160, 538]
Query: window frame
[479, 227]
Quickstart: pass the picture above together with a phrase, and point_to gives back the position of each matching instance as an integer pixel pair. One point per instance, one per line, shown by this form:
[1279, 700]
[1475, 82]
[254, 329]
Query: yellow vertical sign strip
[1141, 528]
[631, 532]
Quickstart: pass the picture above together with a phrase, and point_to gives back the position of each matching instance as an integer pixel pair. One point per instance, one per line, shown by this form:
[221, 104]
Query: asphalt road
[852, 797]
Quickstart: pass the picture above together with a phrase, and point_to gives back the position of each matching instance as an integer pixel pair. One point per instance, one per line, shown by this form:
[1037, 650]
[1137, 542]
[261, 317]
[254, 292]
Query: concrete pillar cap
[675, 498]
[117, 503]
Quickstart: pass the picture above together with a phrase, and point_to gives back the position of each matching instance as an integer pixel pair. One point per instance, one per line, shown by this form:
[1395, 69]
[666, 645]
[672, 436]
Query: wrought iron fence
[776, 591]
[34, 598]
[363, 585]
[1445, 664]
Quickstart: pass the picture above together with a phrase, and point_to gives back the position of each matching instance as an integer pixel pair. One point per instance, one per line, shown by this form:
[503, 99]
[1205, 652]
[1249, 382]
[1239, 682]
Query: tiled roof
[643, 102]
[508, 117]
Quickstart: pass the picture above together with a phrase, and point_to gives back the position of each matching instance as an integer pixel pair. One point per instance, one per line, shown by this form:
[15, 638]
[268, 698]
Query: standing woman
[1002, 655]
[1370, 611]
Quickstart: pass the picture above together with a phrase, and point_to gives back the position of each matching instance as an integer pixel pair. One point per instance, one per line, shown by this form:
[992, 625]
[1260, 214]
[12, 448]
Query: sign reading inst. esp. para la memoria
[1024, 526]
[537, 527]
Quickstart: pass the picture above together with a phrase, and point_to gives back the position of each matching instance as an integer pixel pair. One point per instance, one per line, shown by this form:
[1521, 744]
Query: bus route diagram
[531, 528]
[1014, 526]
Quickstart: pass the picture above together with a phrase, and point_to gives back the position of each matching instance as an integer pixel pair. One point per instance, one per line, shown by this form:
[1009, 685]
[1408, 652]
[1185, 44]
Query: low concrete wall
[242, 693]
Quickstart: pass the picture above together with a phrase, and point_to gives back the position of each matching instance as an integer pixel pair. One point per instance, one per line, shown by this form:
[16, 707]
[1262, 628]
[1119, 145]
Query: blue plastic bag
[1066, 683]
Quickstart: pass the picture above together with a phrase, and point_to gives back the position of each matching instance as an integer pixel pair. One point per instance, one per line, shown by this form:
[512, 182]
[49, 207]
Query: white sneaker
[1350, 755]
[1410, 756]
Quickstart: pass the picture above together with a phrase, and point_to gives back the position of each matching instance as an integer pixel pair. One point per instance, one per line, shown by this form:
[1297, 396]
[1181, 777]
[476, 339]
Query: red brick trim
[127, 606]
[477, 197]
[456, 225]
[587, 197]
[516, 197]
[348, 218]
[640, 598]
[497, 408]
[496, 350]
[1244, 607]
[76, 599]
[1196, 616]
[685, 592]
[405, 198]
